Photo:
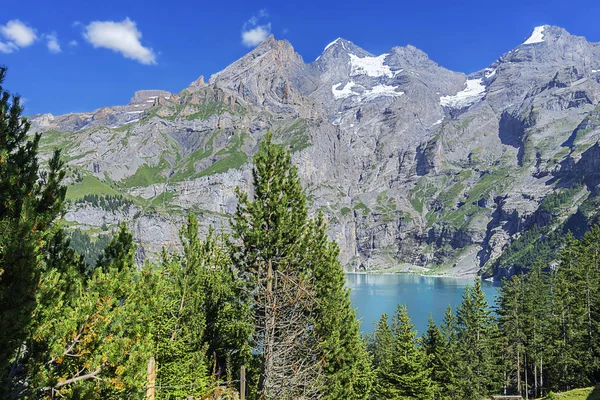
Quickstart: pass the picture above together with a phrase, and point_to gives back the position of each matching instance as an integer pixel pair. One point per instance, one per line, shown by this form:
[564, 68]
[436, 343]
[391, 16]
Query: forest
[262, 310]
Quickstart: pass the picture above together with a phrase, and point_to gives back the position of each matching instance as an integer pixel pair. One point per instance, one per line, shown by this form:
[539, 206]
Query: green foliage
[108, 203]
[298, 289]
[30, 201]
[120, 251]
[89, 248]
[479, 371]
[555, 201]
[402, 371]
[532, 246]
[205, 110]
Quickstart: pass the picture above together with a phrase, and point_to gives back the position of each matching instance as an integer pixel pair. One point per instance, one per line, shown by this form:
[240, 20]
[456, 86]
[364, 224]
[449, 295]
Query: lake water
[375, 294]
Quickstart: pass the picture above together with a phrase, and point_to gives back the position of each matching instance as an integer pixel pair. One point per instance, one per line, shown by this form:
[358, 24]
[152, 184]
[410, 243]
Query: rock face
[413, 164]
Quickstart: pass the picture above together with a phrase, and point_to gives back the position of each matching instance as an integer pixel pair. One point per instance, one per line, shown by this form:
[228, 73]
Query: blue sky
[167, 45]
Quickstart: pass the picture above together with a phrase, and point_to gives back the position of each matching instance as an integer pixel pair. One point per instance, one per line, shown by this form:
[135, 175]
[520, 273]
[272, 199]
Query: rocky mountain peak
[410, 56]
[198, 82]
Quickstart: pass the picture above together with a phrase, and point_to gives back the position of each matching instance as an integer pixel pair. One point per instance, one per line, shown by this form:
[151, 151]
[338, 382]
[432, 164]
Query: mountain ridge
[414, 164]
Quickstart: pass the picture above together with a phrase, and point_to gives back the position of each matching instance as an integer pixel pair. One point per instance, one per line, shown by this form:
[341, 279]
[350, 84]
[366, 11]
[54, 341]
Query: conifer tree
[93, 339]
[347, 366]
[479, 372]
[269, 248]
[512, 323]
[382, 349]
[436, 349]
[306, 332]
[30, 201]
[408, 376]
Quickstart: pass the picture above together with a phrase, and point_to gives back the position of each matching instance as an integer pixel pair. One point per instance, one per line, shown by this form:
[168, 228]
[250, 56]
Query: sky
[73, 56]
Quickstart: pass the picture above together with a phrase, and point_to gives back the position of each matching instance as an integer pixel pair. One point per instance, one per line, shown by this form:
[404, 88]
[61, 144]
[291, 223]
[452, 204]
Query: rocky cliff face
[415, 165]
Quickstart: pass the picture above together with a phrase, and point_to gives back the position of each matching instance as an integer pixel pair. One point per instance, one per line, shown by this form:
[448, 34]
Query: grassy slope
[591, 393]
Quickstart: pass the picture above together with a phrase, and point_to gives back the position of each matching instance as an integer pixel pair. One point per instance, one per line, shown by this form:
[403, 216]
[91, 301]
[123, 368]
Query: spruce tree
[479, 352]
[408, 376]
[382, 349]
[436, 348]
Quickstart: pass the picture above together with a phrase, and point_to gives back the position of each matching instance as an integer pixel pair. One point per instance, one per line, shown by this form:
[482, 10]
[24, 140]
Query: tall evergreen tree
[436, 348]
[408, 376]
[30, 200]
[479, 372]
[512, 323]
[270, 234]
[347, 366]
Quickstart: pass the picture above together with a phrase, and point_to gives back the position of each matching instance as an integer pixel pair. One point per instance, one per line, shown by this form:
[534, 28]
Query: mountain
[414, 165]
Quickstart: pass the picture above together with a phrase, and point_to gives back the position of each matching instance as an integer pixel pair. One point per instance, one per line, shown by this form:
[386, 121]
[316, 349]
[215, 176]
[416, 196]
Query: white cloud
[8, 47]
[254, 36]
[121, 37]
[252, 32]
[15, 35]
[73, 43]
[17, 32]
[52, 43]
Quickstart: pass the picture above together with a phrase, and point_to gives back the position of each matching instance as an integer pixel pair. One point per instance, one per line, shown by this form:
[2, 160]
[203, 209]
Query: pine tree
[382, 349]
[207, 338]
[269, 247]
[449, 380]
[93, 339]
[436, 348]
[408, 376]
[347, 366]
[512, 323]
[30, 201]
[477, 346]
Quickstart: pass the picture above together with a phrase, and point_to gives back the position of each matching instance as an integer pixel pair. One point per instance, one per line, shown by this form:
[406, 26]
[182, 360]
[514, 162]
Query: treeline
[460, 359]
[542, 336]
[106, 202]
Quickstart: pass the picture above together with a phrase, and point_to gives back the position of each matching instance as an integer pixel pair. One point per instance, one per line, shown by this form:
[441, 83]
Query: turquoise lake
[375, 294]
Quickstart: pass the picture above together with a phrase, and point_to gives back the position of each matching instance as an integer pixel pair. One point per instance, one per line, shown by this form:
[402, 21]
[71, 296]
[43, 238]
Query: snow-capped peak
[537, 36]
[332, 43]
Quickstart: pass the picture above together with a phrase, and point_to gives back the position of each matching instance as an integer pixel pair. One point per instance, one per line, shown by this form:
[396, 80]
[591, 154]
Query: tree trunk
[269, 339]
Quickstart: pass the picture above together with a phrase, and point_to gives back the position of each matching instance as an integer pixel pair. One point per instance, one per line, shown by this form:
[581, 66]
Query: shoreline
[380, 272]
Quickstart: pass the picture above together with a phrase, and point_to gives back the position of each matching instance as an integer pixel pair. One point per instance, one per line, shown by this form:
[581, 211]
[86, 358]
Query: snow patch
[489, 72]
[166, 97]
[439, 121]
[474, 92]
[132, 121]
[134, 112]
[344, 92]
[595, 70]
[381, 90]
[537, 36]
[375, 92]
[152, 97]
[370, 66]
[149, 101]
